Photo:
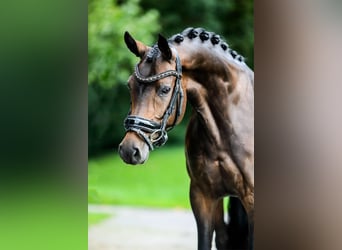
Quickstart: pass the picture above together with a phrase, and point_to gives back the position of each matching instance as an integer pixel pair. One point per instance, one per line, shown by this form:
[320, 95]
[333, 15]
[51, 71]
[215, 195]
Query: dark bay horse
[198, 67]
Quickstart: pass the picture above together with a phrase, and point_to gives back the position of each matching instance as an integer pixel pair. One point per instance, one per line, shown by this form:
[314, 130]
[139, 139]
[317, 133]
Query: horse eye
[164, 90]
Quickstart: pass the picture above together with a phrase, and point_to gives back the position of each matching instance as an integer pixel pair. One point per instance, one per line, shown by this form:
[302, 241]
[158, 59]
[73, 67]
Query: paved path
[142, 229]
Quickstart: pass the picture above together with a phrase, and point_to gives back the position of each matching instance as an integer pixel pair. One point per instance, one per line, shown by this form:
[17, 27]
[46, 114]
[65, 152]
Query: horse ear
[136, 47]
[163, 46]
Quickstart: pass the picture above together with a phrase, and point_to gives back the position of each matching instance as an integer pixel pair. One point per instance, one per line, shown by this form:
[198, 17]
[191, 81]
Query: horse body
[220, 135]
[221, 161]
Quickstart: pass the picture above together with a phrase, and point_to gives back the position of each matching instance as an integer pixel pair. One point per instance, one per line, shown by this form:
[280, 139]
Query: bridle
[154, 133]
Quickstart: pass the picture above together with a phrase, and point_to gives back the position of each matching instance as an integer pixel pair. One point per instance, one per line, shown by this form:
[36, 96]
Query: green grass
[94, 218]
[161, 182]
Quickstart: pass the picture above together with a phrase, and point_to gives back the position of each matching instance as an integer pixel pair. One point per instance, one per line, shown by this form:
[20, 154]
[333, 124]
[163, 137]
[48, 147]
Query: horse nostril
[136, 153]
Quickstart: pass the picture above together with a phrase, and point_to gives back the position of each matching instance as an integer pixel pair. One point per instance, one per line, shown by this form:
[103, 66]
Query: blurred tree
[110, 64]
[239, 28]
[108, 60]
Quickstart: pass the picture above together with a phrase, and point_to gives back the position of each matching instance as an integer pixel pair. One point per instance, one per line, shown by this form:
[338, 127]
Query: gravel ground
[142, 229]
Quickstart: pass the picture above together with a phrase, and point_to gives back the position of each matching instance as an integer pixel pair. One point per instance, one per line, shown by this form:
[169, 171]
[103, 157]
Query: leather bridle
[152, 132]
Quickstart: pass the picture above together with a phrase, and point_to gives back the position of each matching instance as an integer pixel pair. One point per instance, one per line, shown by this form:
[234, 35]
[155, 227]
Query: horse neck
[214, 85]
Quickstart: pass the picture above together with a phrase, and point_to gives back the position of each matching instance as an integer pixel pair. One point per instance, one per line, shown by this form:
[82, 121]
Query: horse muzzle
[133, 150]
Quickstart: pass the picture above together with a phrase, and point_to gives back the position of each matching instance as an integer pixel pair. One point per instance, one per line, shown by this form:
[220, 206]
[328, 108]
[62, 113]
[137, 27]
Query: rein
[155, 133]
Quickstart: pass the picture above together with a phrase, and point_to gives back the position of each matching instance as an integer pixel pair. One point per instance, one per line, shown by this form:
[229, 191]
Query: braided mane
[204, 44]
[206, 37]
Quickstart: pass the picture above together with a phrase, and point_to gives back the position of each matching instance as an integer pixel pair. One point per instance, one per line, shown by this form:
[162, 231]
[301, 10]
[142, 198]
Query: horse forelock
[148, 64]
[152, 53]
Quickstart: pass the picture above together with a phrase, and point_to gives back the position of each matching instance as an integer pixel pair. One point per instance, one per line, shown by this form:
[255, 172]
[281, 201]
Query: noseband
[155, 133]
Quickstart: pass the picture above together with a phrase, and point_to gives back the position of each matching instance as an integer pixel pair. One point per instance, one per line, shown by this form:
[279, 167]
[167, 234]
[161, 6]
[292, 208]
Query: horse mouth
[132, 159]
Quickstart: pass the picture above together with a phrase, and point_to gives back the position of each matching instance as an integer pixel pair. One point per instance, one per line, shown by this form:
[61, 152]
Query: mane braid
[206, 37]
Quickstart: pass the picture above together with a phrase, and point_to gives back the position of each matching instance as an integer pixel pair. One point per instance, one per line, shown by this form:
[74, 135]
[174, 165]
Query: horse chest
[214, 175]
[206, 176]
[207, 164]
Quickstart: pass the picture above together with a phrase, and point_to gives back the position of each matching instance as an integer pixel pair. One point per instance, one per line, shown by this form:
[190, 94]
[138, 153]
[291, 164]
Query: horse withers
[198, 67]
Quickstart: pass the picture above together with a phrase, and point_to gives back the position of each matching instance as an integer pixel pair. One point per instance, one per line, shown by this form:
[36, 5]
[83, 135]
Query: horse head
[157, 99]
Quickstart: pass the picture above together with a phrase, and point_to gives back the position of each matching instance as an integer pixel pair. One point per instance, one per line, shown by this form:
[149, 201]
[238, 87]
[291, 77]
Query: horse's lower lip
[133, 161]
[130, 161]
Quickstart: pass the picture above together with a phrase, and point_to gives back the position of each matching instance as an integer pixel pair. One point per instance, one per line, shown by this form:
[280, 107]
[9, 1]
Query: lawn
[161, 182]
[94, 218]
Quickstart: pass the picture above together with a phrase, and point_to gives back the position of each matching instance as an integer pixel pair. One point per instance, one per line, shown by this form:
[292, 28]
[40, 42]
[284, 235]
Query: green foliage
[239, 28]
[107, 109]
[201, 13]
[109, 61]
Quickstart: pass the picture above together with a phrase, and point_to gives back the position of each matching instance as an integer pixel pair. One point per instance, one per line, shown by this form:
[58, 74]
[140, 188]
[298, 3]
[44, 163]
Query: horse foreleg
[221, 236]
[251, 236]
[248, 203]
[203, 208]
[238, 224]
